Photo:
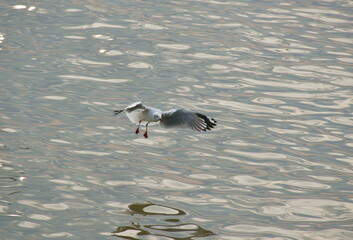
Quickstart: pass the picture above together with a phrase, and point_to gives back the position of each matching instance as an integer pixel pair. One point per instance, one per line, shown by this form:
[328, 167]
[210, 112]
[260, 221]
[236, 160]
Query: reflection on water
[168, 230]
[154, 209]
[178, 231]
[276, 75]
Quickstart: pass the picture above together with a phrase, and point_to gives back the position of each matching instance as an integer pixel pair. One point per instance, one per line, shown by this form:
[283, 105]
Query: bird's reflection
[169, 230]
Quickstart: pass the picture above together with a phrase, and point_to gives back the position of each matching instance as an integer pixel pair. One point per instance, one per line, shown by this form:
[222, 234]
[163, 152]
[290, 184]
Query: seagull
[182, 118]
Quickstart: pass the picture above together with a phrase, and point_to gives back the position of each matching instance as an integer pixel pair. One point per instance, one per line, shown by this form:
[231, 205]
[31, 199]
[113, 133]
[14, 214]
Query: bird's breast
[147, 116]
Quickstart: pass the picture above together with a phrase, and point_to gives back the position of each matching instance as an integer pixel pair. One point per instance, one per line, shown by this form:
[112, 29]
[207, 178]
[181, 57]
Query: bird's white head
[157, 116]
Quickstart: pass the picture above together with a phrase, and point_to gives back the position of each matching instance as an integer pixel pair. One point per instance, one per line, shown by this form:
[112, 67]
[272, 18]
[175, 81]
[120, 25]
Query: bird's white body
[149, 115]
[144, 115]
[138, 112]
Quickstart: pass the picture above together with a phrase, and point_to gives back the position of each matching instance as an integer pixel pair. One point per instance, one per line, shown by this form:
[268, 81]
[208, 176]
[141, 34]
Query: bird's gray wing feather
[187, 119]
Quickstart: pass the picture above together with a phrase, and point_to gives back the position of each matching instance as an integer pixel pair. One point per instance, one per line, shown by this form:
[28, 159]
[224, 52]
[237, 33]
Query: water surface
[277, 76]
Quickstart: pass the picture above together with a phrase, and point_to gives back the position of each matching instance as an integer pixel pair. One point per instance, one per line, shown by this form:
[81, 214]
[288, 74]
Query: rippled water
[276, 75]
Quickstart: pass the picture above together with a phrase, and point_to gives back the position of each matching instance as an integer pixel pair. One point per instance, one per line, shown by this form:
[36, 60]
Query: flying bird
[182, 118]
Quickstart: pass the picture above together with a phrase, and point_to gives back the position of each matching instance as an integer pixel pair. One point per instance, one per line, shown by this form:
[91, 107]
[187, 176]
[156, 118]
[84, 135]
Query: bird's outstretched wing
[134, 116]
[131, 108]
[187, 119]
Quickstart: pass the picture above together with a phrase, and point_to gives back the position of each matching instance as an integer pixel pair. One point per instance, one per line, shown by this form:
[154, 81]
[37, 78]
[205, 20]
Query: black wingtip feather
[116, 112]
[209, 122]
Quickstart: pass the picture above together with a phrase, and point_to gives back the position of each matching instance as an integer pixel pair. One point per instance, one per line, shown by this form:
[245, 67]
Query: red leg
[137, 129]
[145, 135]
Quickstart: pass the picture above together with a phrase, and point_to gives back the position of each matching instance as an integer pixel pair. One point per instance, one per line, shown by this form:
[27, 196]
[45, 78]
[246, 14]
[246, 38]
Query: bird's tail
[116, 112]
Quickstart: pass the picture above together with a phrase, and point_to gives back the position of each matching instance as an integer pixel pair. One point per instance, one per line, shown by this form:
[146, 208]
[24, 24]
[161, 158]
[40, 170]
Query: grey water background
[276, 75]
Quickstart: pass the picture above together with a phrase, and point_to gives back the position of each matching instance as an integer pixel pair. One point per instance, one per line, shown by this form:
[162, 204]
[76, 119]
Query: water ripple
[87, 78]
[94, 25]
